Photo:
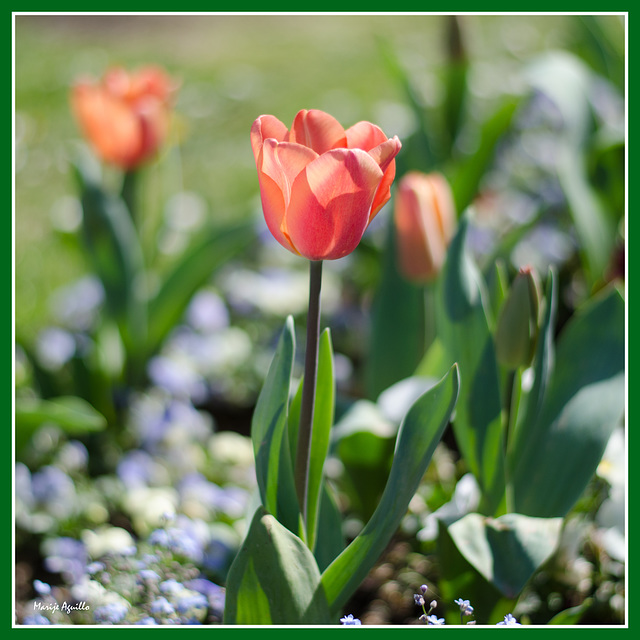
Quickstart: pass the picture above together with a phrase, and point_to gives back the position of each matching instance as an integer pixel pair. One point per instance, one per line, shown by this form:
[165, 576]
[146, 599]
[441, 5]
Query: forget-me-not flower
[509, 621]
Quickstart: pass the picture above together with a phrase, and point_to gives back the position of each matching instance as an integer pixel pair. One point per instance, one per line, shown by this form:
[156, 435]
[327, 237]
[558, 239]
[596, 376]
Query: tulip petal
[364, 135]
[109, 124]
[273, 206]
[419, 234]
[266, 127]
[283, 161]
[384, 154]
[317, 130]
[330, 203]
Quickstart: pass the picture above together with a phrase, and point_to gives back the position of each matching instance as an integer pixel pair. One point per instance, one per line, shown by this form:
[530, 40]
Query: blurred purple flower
[54, 348]
[207, 312]
[213, 592]
[36, 619]
[110, 613]
[137, 468]
[76, 305]
[67, 557]
[178, 377]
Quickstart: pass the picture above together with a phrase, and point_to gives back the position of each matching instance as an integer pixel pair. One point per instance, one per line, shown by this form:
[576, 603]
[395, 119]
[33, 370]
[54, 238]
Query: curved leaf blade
[269, 434]
[464, 332]
[584, 402]
[274, 579]
[418, 436]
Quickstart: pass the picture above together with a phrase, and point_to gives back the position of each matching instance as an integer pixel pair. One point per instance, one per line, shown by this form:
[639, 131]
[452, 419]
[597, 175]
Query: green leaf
[274, 579]
[507, 550]
[524, 433]
[463, 329]
[195, 268]
[572, 615]
[466, 173]
[329, 542]
[324, 405]
[397, 341]
[583, 403]
[363, 442]
[113, 249]
[321, 433]
[269, 434]
[73, 415]
[460, 579]
[417, 439]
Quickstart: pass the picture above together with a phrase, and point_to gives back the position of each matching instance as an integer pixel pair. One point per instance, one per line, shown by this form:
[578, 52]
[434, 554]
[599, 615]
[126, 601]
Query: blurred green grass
[232, 68]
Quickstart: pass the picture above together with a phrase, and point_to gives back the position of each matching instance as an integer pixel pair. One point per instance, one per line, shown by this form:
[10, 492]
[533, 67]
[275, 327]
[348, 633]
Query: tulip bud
[517, 329]
[425, 220]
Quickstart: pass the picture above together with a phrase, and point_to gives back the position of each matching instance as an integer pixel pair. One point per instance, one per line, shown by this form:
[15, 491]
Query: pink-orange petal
[330, 204]
[109, 124]
[264, 127]
[283, 161]
[317, 130]
[364, 135]
[273, 207]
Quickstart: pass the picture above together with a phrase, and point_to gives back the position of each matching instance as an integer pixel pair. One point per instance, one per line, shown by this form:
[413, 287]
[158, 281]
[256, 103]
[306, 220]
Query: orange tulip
[321, 185]
[125, 117]
[425, 221]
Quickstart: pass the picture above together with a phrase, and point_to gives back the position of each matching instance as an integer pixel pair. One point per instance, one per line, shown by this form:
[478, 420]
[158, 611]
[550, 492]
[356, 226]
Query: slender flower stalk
[305, 429]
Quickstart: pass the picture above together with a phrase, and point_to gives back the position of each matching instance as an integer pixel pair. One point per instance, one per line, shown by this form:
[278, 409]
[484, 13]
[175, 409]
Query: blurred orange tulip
[425, 221]
[125, 117]
[321, 185]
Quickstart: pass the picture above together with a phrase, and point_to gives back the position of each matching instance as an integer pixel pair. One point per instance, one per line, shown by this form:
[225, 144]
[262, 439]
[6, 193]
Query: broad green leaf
[584, 401]
[215, 247]
[274, 579]
[463, 329]
[397, 341]
[113, 249]
[321, 433]
[73, 415]
[460, 579]
[507, 550]
[542, 367]
[417, 439]
[324, 405]
[363, 440]
[269, 434]
[329, 539]
[572, 615]
[467, 172]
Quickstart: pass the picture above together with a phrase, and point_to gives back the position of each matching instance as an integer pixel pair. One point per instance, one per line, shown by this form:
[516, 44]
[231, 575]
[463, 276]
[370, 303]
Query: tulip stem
[128, 194]
[303, 452]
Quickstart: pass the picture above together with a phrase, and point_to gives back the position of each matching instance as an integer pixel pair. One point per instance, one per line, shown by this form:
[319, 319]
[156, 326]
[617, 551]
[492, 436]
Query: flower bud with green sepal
[517, 328]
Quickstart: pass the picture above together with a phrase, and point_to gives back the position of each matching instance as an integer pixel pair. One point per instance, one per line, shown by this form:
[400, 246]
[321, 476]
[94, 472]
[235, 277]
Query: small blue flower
[36, 619]
[94, 567]
[147, 620]
[509, 621]
[418, 599]
[465, 608]
[161, 607]
[111, 613]
[191, 600]
[433, 619]
[350, 620]
[42, 588]
[171, 586]
[214, 593]
[148, 575]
